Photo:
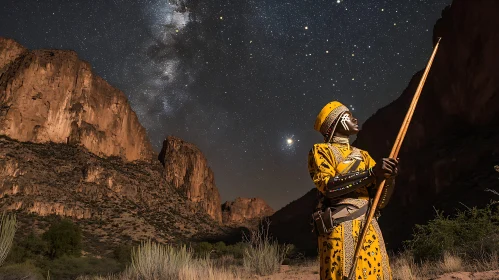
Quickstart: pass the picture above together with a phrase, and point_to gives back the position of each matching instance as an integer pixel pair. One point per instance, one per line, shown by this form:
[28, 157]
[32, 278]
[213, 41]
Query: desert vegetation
[466, 241]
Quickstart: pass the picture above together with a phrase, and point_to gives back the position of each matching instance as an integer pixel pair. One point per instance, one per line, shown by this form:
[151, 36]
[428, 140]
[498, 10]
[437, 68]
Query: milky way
[242, 80]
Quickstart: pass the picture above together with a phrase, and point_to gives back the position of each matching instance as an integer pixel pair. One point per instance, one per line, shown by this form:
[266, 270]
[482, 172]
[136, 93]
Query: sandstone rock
[243, 210]
[186, 169]
[60, 209]
[52, 96]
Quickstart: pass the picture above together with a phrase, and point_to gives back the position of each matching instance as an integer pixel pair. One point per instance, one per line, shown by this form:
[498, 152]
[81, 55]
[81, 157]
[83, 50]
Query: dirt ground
[486, 275]
[310, 272]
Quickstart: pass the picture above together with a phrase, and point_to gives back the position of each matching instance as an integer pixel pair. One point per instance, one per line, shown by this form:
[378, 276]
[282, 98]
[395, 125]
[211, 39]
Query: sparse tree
[63, 238]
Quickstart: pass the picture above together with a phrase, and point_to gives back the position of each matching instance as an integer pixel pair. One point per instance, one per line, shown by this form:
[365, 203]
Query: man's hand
[386, 168]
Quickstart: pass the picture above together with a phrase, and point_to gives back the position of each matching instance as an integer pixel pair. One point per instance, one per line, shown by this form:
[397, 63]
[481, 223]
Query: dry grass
[405, 268]
[451, 263]
[152, 261]
[263, 256]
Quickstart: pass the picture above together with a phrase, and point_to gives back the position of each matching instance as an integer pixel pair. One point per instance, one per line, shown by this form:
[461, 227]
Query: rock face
[451, 147]
[52, 96]
[186, 169]
[244, 210]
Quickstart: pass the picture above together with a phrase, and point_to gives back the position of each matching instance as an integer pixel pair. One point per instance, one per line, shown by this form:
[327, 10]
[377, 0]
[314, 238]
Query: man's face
[347, 125]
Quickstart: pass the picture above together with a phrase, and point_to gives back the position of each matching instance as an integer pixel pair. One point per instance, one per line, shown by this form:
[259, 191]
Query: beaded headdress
[328, 118]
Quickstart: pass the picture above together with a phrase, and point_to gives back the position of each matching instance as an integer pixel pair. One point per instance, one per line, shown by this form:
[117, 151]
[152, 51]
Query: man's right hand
[386, 168]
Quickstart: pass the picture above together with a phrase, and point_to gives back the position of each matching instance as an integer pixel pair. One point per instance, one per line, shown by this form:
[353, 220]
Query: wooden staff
[393, 154]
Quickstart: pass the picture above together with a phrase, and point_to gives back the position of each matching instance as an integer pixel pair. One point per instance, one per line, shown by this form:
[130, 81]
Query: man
[346, 178]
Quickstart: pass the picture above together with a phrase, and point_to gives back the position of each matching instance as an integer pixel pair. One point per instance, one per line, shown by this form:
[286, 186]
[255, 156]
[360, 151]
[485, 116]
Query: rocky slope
[245, 211]
[52, 96]
[114, 202]
[451, 147]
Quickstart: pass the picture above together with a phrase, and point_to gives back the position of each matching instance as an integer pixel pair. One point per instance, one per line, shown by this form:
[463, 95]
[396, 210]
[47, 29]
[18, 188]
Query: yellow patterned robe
[336, 249]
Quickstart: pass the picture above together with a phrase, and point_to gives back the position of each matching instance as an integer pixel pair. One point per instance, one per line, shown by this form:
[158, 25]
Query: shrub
[203, 248]
[30, 247]
[63, 238]
[471, 233]
[23, 271]
[70, 267]
[123, 254]
[236, 250]
[219, 249]
[263, 255]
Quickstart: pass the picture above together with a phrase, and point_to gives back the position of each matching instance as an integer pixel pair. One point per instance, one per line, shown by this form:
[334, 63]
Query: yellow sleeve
[370, 163]
[321, 166]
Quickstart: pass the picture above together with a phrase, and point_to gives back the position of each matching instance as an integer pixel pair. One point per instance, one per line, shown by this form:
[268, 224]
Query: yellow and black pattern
[337, 248]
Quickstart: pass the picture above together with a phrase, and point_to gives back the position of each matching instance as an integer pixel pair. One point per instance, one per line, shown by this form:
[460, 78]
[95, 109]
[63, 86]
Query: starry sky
[242, 80]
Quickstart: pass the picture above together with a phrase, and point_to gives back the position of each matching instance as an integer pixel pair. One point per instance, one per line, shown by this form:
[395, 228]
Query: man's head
[332, 117]
[347, 125]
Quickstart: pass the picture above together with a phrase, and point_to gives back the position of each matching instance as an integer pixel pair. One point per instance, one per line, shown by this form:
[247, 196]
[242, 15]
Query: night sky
[241, 79]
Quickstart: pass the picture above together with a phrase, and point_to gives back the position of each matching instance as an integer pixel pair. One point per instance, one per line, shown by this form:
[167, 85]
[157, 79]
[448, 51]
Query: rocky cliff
[71, 146]
[245, 211]
[186, 169]
[451, 147]
[114, 201]
[52, 96]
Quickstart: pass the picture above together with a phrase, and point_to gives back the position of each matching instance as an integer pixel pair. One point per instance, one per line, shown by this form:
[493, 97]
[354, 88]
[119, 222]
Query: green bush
[202, 249]
[123, 254]
[63, 238]
[30, 247]
[70, 267]
[219, 249]
[470, 233]
[21, 271]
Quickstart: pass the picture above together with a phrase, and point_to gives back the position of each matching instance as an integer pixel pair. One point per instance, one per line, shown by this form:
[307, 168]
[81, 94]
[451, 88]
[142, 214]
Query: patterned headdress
[328, 116]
